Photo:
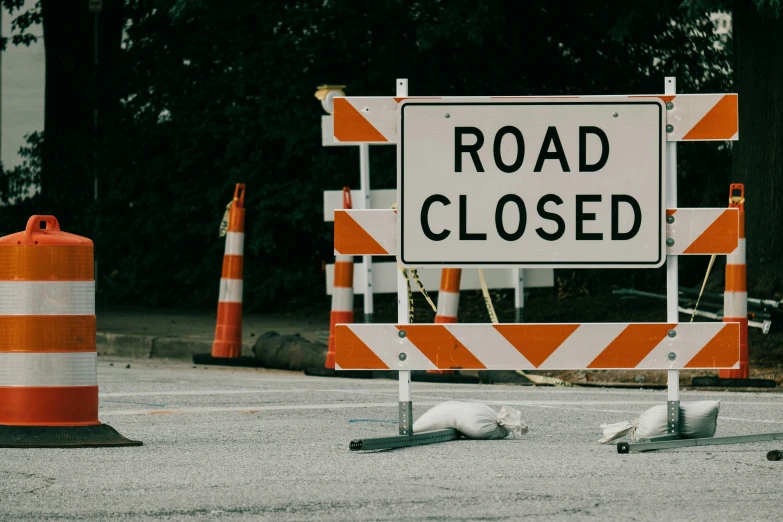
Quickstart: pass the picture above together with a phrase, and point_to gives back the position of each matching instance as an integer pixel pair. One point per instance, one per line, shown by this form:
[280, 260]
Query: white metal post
[519, 293]
[406, 413]
[364, 188]
[672, 282]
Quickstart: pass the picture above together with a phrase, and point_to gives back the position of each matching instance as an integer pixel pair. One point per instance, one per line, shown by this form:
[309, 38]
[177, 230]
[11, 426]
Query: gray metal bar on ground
[625, 447]
[404, 441]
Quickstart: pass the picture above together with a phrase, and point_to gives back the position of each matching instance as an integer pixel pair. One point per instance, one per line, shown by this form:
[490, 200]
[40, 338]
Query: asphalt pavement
[250, 444]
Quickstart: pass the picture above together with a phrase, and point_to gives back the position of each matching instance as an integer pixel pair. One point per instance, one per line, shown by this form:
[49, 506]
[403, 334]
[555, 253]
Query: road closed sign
[552, 182]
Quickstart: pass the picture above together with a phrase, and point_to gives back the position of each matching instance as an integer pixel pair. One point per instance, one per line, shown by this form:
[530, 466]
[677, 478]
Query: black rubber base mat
[345, 374]
[449, 378]
[206, 358]
[717, 382]
[62, 437]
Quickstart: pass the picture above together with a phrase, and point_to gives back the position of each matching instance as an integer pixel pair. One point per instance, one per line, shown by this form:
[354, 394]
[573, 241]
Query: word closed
[532, 183]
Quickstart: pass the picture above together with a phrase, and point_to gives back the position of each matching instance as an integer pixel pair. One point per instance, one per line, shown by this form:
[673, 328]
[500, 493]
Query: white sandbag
[698, 419]
[473, 420]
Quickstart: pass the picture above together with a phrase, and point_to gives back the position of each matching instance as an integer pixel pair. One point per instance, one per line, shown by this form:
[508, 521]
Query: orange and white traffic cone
[448, 302]
[48, 374]
[342, 292]
[228, 333]
[735, 297]
[735, 306]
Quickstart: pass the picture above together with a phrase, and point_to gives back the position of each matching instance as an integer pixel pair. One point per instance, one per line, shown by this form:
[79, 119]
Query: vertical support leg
[672, 282]
[519, 295]
[406, 404]
[364, 187]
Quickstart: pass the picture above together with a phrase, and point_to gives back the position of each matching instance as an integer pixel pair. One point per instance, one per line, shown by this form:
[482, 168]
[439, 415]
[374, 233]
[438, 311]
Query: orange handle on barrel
[51, 224]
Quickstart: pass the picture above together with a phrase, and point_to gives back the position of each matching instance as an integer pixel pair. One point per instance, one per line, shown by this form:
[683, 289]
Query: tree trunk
[68, 36]
[758, 155]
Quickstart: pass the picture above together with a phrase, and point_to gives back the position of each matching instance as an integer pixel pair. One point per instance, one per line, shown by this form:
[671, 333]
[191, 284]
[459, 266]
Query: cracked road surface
[240, 444]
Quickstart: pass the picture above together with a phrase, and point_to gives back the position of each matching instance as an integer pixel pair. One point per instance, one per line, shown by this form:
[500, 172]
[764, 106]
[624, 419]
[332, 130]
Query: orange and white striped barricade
[227, 345]
[641, 176]
[382, 275]
[48, 360]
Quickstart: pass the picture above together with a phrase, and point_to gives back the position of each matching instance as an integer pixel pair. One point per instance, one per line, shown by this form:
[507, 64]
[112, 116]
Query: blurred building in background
[22, 76]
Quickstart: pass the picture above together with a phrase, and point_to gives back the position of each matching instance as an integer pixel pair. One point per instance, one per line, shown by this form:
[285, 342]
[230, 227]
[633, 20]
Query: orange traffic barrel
[228, 332]
[48, 360]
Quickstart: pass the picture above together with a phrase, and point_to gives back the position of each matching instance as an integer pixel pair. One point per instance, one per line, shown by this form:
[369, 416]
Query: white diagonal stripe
[583, 346]
[235, 243]
[490, 347]
[47, 298]
[230, 291]
[381, 225]
[48, 369]
[690, 339]
[689, 224]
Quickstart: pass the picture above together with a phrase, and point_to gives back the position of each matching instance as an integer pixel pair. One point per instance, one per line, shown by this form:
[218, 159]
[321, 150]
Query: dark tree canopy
[201, 95]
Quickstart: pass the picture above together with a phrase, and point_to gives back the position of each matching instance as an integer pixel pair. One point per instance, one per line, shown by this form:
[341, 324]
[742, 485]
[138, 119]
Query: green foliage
[21, 23]
[215, 93]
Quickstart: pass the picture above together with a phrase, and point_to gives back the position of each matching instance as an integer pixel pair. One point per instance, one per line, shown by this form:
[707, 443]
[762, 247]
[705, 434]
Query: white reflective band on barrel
[48, 369]
[735, 304]
[448, 304]
[738, 257]
[235, 243]
[230, 291]
[342, 299]
[47, 298]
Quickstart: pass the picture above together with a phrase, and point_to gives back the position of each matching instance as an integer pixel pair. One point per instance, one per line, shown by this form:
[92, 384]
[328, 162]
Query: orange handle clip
[737, 196]
[239, 195]
[34, 225]
[347, 198]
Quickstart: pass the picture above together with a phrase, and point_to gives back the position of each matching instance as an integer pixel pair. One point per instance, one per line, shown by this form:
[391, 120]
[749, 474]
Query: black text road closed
[532, 182]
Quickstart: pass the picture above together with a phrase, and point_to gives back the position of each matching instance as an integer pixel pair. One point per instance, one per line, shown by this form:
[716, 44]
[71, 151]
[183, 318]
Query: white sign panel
[534, 182]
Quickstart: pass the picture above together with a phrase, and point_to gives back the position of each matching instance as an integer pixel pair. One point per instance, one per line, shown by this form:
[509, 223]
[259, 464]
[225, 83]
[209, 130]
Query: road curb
[149, 347]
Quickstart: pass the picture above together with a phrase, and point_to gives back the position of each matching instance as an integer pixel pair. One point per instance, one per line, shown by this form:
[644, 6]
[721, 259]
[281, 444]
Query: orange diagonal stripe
[352, 354]
[632, 345]
[351, 238]
[721, 237]
[671, 211]
[722, 351]
[536, 342]
[719, 123]
[439, 346]
[350, 125]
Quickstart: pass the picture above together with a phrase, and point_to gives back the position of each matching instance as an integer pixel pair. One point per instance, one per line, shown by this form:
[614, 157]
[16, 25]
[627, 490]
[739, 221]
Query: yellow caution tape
[224, 222]
[703, 284]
